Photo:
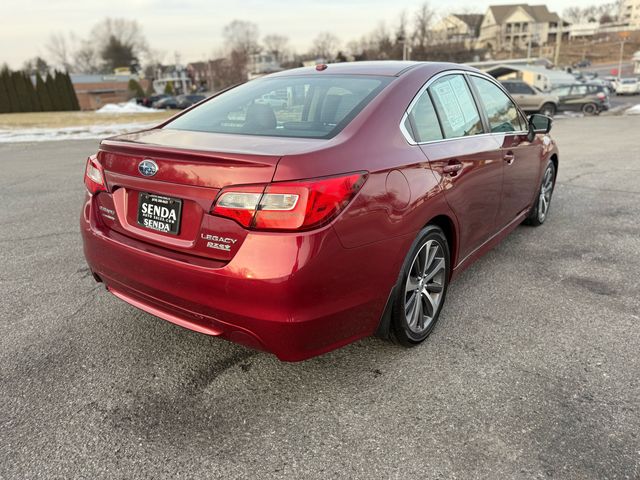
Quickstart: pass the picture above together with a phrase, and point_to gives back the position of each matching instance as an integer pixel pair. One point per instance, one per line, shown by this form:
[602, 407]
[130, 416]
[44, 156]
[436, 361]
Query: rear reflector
[299, 205]
[94, 177]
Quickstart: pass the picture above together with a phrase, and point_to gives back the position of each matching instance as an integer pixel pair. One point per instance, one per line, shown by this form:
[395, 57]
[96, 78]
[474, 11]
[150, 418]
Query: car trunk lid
[192, 167]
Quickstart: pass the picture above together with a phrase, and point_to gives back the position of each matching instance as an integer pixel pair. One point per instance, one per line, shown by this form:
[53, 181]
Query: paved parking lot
[532, 372]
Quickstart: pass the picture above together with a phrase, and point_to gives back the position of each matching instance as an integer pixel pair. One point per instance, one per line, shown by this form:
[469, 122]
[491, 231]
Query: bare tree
[126, 32]
[276, 45]
[422, 21]
[242, 37]
[572, 15]
[86, 58]
[120, 42]
[603, 13]
[60, 50]
[36, 65]
[325, 46]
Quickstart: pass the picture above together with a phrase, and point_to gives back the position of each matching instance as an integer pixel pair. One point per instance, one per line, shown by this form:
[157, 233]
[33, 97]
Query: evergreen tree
[168, 88]
[62, 92]
[53, 94]
[5, 104]
[43, 94]
[135, 88]
[33, 95]
[22, 95]
[75, 105]
[14, 106]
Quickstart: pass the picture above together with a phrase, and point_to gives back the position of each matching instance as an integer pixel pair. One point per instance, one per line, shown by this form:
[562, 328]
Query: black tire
[548, 109]
[538, 214]
[430, 238]
[590, 109]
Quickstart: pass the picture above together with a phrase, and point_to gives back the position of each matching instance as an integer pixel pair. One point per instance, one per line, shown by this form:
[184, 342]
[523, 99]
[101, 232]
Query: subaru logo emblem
[148, 168]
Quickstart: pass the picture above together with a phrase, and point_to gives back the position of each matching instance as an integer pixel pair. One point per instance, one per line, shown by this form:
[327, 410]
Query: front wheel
[421, 288]
[540, 209]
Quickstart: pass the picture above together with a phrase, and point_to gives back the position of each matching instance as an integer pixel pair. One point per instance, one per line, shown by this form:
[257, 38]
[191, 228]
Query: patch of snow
[128, 107]
[70, 133]
[635, 110]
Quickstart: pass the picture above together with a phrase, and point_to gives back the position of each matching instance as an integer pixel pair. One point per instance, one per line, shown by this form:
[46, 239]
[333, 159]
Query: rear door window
[561, 91]
[455, 106]
[579, 90]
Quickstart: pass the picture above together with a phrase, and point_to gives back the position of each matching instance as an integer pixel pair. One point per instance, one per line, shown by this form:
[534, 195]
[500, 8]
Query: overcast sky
[194, 27]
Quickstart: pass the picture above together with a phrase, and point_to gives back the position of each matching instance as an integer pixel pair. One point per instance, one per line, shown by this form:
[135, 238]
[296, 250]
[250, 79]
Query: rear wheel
[421, 288]
[590, 109]
[548, 109]
[540, 210]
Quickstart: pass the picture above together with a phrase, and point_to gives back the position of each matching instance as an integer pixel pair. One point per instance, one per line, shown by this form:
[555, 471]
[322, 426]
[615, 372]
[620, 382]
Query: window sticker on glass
[450, 105]
[467, 106]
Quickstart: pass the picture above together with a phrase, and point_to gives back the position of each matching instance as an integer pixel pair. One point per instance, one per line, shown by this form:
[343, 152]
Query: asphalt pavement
[532, 372]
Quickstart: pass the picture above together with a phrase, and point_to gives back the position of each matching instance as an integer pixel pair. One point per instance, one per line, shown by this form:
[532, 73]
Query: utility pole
[558, 42]
[623, 37]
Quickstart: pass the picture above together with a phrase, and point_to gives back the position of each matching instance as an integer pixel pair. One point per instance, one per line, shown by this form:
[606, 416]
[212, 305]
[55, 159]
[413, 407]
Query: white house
[509, 27]
[630, 12]
[457, 28]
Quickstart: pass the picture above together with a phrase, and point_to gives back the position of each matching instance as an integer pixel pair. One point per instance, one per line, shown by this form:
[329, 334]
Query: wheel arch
[448, 226]
[554, 160]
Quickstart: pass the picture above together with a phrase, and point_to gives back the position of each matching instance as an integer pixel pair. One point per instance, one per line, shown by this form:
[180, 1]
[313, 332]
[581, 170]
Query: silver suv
[530, 99]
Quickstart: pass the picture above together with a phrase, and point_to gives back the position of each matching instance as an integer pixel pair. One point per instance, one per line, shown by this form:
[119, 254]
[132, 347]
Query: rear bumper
[295, 295]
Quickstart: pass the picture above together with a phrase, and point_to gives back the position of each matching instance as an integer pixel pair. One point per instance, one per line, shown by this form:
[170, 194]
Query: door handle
[452, 168]
[509, 157]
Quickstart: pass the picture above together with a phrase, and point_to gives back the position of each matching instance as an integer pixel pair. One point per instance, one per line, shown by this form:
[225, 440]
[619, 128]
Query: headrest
[260, 117]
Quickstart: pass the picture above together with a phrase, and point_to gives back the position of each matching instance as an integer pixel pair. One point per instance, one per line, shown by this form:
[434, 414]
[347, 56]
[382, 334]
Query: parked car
[274, 100]
[149, 101]
[531, 99]
[180, 102]
[185, 101]
[168, 102]
[344, 216]
[612, 83]
[628, 86]
[582, 63]
[589, 98]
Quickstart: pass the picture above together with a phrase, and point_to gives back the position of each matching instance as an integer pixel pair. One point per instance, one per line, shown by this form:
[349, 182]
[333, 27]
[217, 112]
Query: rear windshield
[310, 107]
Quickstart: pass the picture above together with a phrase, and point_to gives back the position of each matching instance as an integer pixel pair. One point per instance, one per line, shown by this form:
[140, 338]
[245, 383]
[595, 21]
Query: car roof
[391, 68]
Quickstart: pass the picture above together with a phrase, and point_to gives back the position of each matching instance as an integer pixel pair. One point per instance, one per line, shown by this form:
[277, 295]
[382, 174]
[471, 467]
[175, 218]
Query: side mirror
[539, 124]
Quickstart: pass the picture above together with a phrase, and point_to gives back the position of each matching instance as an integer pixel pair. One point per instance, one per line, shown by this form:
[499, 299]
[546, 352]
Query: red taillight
[601, 96]
[94, 176]
[298, 205]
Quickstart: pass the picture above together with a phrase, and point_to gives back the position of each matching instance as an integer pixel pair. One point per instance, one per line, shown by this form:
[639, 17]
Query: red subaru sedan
[307, 209]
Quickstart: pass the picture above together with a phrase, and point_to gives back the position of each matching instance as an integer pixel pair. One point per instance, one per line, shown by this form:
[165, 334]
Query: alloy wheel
[545, 194]
[425, 286]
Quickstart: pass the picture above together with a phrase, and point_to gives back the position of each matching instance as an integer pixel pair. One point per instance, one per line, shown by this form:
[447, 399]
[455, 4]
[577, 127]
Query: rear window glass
[309, 107]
